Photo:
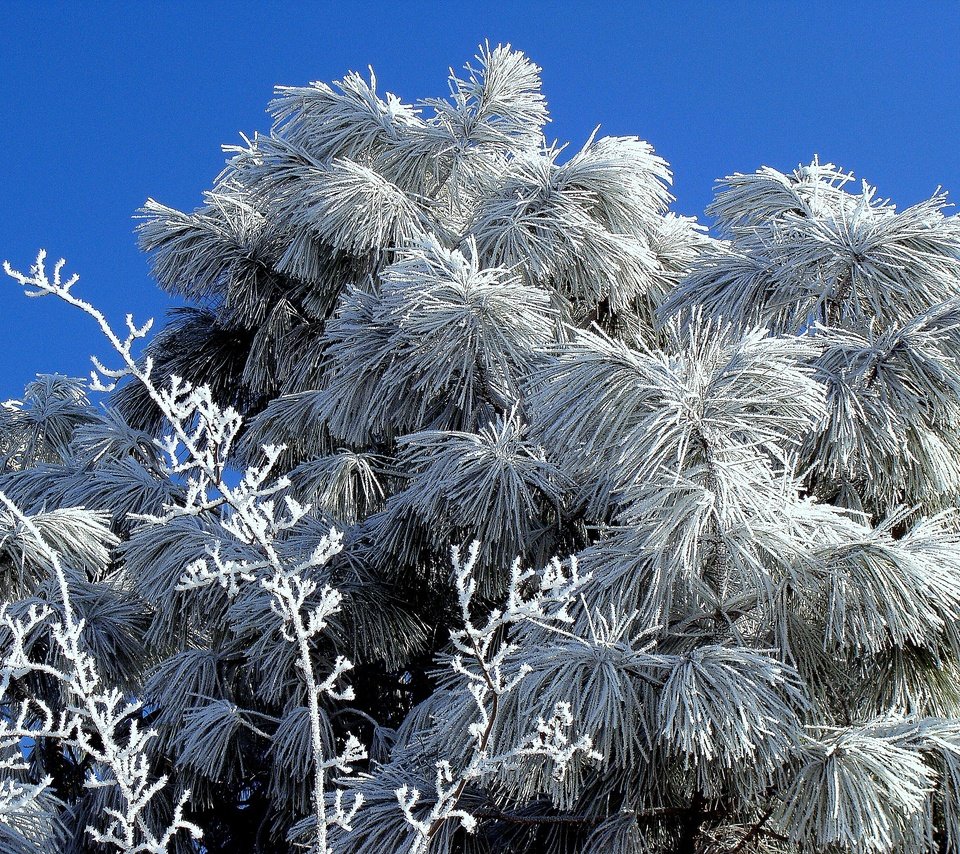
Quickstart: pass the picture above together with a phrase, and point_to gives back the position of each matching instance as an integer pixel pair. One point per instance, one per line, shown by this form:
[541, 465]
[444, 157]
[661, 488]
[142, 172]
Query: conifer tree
[475, 502]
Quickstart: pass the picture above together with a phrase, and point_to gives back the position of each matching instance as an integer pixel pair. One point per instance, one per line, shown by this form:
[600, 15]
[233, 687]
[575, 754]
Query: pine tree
[475, 502]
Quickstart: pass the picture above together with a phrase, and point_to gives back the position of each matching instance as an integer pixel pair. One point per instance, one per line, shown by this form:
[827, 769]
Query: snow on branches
[227, 597]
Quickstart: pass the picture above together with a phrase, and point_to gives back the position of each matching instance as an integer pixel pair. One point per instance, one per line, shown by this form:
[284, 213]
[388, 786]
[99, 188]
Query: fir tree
[475, 502]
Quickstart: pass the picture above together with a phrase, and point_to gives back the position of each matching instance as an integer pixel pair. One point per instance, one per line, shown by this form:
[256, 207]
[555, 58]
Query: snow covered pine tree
[418, 327]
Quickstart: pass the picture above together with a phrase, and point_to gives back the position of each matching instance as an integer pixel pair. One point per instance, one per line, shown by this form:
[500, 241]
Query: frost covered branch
[100, 722]
[197, 450]
[483, 658]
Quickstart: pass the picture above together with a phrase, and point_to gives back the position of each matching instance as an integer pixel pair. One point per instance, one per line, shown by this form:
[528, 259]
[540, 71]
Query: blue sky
[107, 103]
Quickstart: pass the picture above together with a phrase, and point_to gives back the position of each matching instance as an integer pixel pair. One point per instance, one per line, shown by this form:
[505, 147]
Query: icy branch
[201, 440]
[485, 659]
[101, 723]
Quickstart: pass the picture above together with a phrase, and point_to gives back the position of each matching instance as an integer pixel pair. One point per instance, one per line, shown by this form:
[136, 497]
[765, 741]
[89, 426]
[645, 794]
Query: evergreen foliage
[478, 503]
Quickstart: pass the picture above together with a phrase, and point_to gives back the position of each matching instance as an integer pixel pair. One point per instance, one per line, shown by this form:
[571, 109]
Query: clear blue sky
[107, 103]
